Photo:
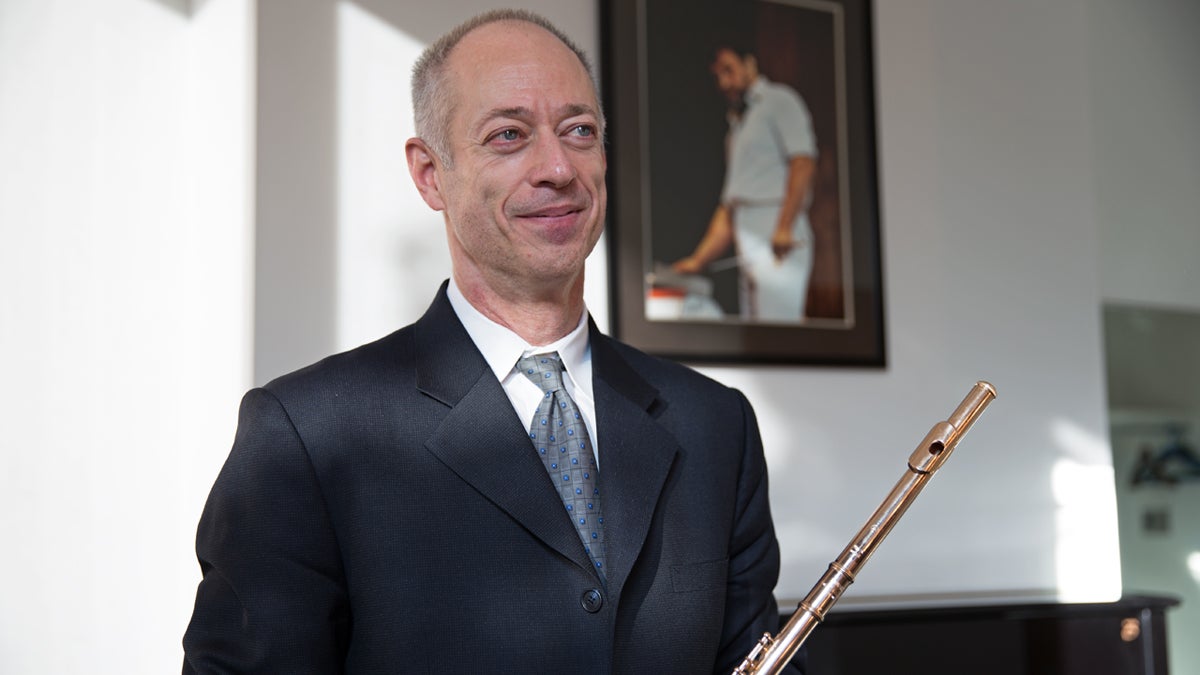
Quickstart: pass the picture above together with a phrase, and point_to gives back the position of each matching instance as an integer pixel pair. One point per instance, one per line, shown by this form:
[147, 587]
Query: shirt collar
[755, 91]
[751, 96]
[502, 348]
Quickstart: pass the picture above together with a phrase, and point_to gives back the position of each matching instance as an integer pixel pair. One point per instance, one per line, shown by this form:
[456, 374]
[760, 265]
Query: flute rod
[771, 654]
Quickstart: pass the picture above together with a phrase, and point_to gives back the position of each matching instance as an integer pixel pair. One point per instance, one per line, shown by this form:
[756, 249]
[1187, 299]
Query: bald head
[434, 91]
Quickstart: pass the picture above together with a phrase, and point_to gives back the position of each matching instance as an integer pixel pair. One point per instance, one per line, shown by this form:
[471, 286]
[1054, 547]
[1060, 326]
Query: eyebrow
[523, 113]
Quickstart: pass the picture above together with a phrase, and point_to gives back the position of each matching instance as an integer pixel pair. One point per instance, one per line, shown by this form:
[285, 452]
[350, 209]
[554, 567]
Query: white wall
[1145, 100]
[124, 320]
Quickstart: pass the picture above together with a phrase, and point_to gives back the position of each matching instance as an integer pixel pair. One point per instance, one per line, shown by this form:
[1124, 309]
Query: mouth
[553, 211]
[557, 223]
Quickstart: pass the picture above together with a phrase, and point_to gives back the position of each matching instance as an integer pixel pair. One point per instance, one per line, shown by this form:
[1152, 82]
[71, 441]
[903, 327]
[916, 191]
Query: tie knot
[545, 370]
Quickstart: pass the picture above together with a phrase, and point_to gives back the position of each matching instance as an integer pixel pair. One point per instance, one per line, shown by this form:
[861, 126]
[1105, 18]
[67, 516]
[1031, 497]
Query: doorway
[1152, 360]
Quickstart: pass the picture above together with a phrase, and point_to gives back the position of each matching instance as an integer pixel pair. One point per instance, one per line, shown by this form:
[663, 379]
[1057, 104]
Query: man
[767, 191]
[385, 511]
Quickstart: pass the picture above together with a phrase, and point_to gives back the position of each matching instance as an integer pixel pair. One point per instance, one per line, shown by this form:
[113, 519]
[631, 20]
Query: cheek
[601, 185]
[472, 200]
[594, 165]
[493, 186]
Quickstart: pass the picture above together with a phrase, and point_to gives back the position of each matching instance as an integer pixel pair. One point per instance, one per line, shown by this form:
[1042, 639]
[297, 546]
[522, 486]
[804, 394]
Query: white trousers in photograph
[771, 290]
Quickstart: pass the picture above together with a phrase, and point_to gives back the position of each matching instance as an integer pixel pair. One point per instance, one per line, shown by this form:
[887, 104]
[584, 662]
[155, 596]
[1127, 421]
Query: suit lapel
[636, 455]
[481, 438]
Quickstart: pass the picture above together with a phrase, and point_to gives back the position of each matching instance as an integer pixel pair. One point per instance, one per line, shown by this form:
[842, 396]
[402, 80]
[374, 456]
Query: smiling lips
[557, 223]
[553, 211]
[561, 219]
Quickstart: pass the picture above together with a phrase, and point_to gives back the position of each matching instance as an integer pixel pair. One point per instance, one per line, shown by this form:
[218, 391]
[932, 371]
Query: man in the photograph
[771, 153]
[499, 487]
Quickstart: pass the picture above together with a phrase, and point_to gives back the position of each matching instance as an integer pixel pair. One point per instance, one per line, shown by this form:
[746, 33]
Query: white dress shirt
[502, 348]
[775, 127]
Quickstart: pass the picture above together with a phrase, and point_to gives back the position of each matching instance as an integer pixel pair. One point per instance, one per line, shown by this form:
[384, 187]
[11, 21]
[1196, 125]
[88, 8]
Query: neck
[539, 316]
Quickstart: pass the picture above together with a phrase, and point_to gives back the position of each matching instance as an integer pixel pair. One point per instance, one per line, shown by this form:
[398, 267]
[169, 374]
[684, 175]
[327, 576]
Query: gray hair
[432, 95]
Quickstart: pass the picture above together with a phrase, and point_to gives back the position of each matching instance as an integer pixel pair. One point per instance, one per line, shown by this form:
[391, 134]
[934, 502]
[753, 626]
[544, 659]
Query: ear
[425, 169]
[751, 64]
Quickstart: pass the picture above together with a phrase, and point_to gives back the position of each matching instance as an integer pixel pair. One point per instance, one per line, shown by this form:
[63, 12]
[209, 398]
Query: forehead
[726, 58]
[517, 63]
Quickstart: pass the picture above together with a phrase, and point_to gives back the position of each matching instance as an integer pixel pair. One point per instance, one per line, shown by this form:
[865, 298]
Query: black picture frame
[666, 130]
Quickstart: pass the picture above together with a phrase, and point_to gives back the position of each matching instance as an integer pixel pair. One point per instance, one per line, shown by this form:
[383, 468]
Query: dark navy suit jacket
[382, 512]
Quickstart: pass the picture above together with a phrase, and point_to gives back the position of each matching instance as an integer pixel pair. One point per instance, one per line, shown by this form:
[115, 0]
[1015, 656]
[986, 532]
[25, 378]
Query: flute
[771, 654]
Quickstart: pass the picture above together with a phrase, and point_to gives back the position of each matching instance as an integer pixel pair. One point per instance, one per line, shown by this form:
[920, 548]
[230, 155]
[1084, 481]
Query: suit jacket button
[592, 600]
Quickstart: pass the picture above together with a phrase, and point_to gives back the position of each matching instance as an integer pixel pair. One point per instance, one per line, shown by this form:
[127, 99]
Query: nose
[552, 165]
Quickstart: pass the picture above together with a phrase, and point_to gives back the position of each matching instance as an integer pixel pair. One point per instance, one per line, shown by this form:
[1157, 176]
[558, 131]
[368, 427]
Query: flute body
[771, 654]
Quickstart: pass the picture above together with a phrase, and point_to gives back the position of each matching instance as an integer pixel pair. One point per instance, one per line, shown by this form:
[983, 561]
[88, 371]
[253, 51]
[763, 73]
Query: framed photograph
[743, 208]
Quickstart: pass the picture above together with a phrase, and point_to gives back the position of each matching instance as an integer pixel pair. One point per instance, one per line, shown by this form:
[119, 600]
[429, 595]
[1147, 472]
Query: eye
[505, 136]
[584, 135]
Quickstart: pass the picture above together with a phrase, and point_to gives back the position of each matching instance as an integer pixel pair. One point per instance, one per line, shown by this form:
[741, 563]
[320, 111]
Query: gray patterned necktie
[562, 441]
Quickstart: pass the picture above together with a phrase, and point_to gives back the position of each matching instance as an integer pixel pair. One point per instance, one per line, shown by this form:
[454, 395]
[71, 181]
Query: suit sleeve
[753, 560]
[272, 598]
